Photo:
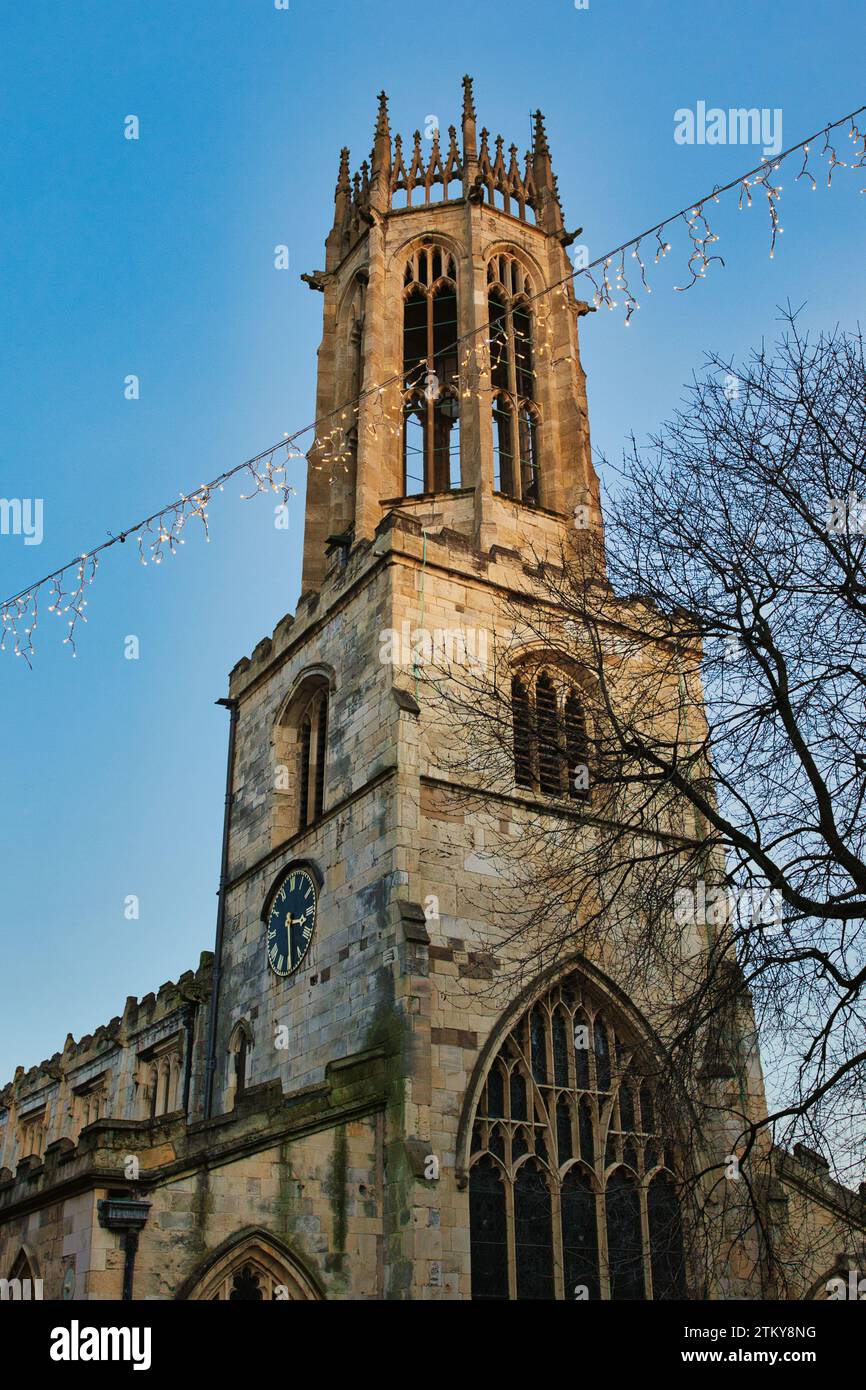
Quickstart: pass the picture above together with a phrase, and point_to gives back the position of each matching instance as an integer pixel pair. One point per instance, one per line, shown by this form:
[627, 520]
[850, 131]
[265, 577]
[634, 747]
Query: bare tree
[697, 807]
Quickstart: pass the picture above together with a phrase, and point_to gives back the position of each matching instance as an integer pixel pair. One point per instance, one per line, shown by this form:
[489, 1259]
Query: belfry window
[312, 757]
[300, 744]
[551, 745]
[431, 400]
[515, 416]
[570, 1194]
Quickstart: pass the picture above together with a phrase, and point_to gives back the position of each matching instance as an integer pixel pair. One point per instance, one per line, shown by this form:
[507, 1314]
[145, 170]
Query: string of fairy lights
[159, 536]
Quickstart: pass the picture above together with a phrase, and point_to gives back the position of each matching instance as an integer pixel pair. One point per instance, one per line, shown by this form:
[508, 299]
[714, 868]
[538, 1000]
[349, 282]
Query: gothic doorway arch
[252, 1267]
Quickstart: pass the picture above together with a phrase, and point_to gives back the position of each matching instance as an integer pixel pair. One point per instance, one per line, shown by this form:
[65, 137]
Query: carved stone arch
[242, 1029]
[536, 655]
[25, 1264]
[252, 1264]
[600, 984]
[582, 1169]
[314, 674]
[417, 241]
[516, 253]
[354, 286]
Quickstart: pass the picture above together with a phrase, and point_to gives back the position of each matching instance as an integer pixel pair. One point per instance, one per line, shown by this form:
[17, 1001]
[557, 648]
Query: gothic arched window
[512, 379]
[300, 742]
[313, 746]
[551, 745]
[22, 1278]
[431, 402]
[570, 1195]
[240, 1044]
[255, 1270]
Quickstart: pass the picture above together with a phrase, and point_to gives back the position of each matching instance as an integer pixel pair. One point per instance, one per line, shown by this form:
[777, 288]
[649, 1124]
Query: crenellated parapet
[132, 1068]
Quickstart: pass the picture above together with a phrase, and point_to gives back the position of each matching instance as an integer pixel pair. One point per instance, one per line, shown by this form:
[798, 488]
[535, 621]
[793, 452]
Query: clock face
[291, 921]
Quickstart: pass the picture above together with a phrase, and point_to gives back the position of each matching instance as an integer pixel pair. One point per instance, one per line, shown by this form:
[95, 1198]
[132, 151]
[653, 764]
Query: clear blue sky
[156, 258]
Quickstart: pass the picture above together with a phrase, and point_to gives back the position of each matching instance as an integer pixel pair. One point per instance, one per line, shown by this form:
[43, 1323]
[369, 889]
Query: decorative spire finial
[468, 102]
[334, 247]
[343, 178]
[380, 160]
[470, 145]
[382, 126]
[548, 212]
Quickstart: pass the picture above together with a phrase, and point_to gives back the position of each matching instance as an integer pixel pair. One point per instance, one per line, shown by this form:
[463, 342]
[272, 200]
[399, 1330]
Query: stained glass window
[572, 1188]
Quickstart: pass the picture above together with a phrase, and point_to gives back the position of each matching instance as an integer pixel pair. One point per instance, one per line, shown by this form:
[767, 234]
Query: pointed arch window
[569, 1195]
[533, 1231]
[254, 1271]
[300, 748]
[551, 744]
[240, 1044]
[22, 1281]
[241, 1067]
[516, 421]
[313, 748]
[431, 400]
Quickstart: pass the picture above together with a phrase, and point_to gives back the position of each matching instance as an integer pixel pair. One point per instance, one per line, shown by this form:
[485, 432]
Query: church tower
[422, 409]
[353, 974]
[373, 1089]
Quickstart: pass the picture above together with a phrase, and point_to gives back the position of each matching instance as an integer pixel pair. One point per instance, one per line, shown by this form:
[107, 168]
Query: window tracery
[515, 416]
[572, 1186]
[431, 400]
[254, 1271]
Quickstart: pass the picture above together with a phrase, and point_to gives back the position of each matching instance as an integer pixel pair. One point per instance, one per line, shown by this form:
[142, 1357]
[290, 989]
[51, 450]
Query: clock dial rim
[303, 872]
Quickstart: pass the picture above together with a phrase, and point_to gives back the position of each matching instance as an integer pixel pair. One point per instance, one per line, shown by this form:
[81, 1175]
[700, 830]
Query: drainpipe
[189, 1014]
[210, 1065]
[126, 1216]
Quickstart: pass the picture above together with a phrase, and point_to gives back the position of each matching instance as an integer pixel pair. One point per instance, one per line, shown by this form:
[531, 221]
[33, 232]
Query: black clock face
[291, 921]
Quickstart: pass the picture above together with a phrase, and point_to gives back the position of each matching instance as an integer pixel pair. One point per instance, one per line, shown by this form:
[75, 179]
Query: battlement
[128, 1069]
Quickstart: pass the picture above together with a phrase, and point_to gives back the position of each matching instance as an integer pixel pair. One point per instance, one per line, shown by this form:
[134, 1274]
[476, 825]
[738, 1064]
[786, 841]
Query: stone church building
[334, 1105]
